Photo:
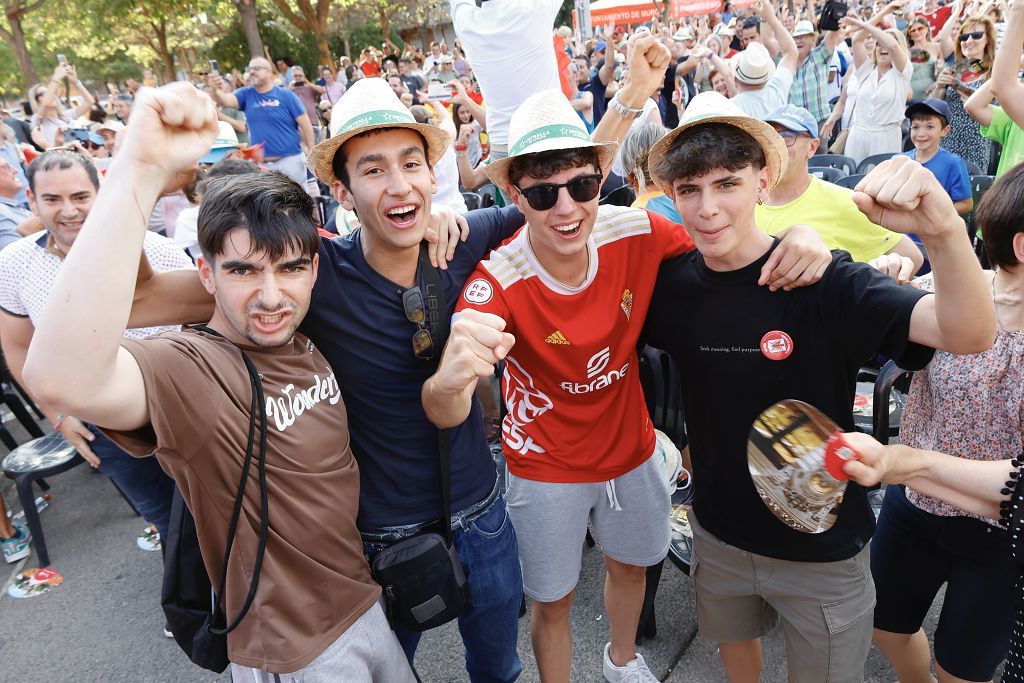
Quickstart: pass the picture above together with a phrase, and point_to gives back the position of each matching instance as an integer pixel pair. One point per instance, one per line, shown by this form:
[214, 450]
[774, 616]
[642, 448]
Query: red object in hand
[837, 453]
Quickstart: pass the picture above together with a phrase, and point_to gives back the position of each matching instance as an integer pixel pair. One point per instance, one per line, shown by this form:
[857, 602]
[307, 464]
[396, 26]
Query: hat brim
[775, 155]
[215, 155]
[321, 157]
[497, 170]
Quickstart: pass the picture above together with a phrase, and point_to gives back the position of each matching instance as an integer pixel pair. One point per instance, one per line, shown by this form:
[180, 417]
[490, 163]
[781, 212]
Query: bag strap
[433, 296]
[257, 406]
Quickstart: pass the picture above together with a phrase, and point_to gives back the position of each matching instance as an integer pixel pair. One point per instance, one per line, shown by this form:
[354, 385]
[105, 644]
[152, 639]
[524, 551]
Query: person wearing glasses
[926, 56]
[968, 63]
[802, 198]
[276, 117]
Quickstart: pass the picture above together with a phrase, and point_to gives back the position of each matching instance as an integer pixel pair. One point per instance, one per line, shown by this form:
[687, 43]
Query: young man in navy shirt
[275, 116]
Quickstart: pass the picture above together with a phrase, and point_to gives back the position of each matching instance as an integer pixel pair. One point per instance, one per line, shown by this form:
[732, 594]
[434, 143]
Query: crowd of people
[652, 184]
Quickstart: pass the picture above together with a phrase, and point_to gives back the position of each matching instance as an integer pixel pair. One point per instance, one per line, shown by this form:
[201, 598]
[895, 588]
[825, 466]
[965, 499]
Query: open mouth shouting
[403, 216]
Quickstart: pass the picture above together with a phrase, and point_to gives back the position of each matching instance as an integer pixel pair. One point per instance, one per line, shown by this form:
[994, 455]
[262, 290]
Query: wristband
[59, 422]
[461, 148]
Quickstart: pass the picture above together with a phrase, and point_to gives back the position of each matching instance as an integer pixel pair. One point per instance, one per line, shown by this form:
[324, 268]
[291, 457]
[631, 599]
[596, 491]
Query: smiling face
[260, 301]
[718, 212]
[804, 44]
[62, 199]
[261, 73]
[389, 186]
[559, 235]
[10, 185]
[927, 131]
[973, 48]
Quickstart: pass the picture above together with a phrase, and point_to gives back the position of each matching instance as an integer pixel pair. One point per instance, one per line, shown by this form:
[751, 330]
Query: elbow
[44, 385]
[978, 339]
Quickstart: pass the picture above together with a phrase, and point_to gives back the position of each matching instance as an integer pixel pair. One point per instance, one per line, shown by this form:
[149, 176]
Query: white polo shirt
[29, 266]
[509, 44]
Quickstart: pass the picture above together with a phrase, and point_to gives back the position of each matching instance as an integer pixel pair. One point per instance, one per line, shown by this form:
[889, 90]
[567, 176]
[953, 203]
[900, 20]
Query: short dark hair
[701, 149]
[544, 164]
[923, 115]
[60, 159]
[1000, 214]
[338, 162]
[273, 208]
[223, 169]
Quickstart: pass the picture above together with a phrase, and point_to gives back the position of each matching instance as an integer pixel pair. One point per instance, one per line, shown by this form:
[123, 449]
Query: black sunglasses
[977, 35]
[416, 312]
[581, 188]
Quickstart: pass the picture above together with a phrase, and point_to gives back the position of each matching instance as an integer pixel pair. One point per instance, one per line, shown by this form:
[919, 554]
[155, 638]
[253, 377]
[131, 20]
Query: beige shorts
[825, 607]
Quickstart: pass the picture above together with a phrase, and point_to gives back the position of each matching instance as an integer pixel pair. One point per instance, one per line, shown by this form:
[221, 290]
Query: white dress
[881, 101]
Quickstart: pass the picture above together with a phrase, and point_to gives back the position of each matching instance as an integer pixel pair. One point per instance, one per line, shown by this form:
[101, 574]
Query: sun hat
[225, 141]
[546, 121]
[712, 107]
[114, 126]
[723, 30]
[794, 118]
[684, 33]
[371, 104]
[804, 27]
[754, 66]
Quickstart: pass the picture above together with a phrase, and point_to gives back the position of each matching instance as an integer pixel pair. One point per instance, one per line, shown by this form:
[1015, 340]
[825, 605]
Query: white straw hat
[754, 66]
[546, 121]
[370, 104]
[803, 28]
[712, 107]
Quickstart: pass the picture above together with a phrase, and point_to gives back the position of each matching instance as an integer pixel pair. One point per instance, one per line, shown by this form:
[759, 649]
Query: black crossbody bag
[423, 581]
[190, 604]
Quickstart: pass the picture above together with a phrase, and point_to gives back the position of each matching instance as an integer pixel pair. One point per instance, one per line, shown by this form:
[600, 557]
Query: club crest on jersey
[627, 303]
[478, 292]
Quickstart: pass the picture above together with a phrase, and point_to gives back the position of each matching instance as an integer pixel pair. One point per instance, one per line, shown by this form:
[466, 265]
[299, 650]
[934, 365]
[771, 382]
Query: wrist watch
[622, 110]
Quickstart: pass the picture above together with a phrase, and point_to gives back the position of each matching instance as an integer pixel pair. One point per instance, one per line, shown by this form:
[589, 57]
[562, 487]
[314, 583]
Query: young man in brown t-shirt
[186, 396]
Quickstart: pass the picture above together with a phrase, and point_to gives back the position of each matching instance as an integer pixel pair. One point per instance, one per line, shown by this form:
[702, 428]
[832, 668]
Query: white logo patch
[598, 362]
[478, 291]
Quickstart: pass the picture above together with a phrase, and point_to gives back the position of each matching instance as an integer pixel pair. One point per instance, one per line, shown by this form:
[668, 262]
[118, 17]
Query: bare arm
[237, 125]
[607, 71]
[972, 485]
[584, 102]
[786, 44]
[979, 105]
[906, 247]
[87, 99]
[305, 131]
[647, 60]
[945, 37]
[224, 99]
[1005, 83]
[903, 196]
[90, 303]
[831, 39]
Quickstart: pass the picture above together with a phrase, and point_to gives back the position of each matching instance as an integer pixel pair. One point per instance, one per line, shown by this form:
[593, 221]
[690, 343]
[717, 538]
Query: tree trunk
[164, 52]
[322, 47]
[250, 26]
[15, 38]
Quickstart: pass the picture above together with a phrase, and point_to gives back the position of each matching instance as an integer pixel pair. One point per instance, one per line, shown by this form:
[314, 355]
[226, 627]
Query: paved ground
[104, 622]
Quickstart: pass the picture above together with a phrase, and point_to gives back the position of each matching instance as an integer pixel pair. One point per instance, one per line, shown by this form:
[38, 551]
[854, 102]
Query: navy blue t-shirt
[357, 321]
[271, 118]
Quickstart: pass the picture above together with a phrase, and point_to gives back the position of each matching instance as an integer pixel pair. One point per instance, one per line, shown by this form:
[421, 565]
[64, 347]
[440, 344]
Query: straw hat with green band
[546, 121]
[712, 107]
[370, 104]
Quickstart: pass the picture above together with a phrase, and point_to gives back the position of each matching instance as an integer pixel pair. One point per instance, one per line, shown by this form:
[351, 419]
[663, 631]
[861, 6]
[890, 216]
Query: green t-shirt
[1003, 130]
[830, 210]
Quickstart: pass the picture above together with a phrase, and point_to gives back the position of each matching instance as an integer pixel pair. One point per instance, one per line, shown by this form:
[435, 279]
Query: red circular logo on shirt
[776, 345]
[478, 292]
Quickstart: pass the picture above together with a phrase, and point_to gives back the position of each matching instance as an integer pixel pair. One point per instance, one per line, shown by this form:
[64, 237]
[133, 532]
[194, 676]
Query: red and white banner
[628, 12]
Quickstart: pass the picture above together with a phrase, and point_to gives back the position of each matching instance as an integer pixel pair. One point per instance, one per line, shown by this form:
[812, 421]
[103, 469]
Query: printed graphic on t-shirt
[291, 403]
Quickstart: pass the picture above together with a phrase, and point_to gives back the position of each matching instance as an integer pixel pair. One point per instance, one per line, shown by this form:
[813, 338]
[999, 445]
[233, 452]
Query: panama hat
[370, 104]
[712, 107]
[803, 28]
[225, 141]
[684, 33]
[546, 121]
[754, 66]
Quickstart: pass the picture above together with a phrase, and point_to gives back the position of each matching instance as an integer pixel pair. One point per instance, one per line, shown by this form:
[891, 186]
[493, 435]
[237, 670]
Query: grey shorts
[629, 517]
[368, 651]
[825, 607]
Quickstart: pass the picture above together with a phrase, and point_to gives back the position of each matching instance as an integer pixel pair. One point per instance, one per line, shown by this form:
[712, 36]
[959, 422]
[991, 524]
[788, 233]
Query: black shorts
[914, 552]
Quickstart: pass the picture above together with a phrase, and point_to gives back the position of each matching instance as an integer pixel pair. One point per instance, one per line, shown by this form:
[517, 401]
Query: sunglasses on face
[581, 188]
[977, 35]
[416, 312]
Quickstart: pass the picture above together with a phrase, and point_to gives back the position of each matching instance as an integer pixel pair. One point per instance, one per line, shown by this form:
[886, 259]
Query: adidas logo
[557, 337]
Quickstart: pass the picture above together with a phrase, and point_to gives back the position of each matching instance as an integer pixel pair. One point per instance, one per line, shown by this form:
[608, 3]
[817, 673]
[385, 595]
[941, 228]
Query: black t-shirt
[598, 88]
[357, 321]
[671, 115]
[713, 324]
[413, 83]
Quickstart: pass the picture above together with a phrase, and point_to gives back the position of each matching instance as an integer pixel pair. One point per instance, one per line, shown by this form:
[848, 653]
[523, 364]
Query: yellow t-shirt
[830, 210]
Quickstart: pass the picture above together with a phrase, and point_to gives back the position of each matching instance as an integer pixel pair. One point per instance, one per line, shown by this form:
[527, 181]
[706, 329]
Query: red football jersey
[576, 412]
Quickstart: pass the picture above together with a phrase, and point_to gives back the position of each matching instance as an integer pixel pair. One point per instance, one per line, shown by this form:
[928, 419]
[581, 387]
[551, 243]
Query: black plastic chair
[979, 186]
[973, 169]
[890, 378]
[43, 457]
[827, 173]
[850, 181]
[844, 163]
[874, 160]
[473, 200]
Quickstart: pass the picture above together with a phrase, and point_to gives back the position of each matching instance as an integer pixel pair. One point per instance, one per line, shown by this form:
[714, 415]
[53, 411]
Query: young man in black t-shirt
[741, 348]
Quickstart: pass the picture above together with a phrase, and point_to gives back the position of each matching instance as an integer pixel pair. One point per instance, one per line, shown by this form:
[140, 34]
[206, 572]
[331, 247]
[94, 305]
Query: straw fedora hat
[545, 121]
[712, 107]
[370, 104]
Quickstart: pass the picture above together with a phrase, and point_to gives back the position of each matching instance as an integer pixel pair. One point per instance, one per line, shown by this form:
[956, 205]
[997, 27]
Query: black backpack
[189, 602]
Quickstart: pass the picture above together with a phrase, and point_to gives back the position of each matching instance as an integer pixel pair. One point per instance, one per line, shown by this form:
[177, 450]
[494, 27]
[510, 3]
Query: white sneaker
[635, 671]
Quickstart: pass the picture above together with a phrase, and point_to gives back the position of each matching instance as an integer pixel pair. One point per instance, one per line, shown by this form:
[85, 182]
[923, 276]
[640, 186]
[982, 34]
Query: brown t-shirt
[315, 581]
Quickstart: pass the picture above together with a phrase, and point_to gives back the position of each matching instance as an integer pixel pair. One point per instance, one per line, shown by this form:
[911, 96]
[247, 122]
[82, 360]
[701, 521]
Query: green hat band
[376, 118]
[546, 133]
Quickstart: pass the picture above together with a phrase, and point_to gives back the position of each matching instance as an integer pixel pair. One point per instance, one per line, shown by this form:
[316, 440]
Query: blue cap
[601, 45]
[95, 138]
[794, 118]
[930, 106]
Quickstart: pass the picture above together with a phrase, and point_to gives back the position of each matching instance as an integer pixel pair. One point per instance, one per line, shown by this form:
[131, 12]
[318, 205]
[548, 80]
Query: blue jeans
[141, 480]
[489, 625]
